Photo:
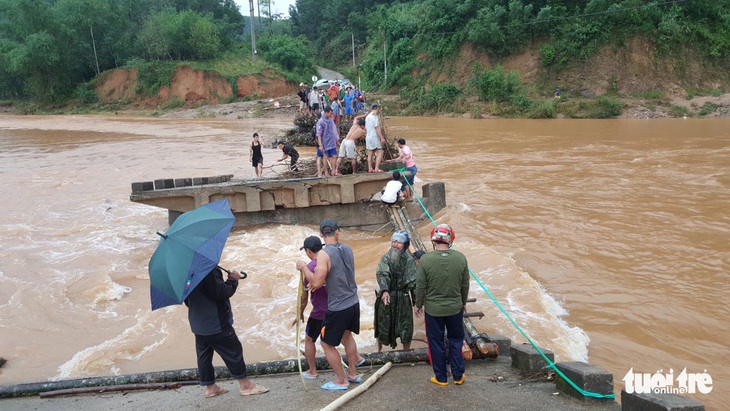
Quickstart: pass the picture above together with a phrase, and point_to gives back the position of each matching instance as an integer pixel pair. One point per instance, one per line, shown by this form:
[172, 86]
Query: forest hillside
[483, 57]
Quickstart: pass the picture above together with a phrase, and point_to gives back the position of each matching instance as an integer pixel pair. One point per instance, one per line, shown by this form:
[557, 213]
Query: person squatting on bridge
[336, 268]
[442, 287]
[391, 193]
[396, 277]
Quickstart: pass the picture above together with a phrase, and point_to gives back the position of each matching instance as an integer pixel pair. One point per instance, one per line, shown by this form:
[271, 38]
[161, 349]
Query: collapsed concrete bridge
[350, 199]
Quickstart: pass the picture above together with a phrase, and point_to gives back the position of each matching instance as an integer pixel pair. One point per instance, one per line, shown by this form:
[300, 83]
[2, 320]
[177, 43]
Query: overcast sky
[277, 6]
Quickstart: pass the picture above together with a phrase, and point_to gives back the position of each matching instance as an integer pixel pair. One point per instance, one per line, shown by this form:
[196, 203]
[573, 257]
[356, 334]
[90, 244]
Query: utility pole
[253, 32]
[385, 59]
[353, 50]
[93, 43]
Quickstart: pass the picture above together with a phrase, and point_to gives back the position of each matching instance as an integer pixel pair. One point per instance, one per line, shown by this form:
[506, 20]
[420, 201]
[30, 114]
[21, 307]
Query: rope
[551, 364]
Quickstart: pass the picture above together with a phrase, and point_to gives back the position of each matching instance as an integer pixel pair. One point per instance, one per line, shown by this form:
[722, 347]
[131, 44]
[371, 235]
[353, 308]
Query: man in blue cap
[336, 269]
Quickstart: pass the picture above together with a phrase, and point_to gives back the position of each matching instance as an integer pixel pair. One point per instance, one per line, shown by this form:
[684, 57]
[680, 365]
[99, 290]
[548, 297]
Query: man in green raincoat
[396, 276]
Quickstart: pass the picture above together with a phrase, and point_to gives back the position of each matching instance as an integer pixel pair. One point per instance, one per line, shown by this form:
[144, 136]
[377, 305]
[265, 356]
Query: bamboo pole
[299, 327]
[191, 374]
[336, 404]
[115, 388]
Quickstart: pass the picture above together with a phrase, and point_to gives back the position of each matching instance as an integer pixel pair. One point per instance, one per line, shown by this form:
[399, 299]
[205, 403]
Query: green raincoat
[396, 273]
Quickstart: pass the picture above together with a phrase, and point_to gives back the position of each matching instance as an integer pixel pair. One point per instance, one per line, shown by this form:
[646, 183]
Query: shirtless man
[348, 148]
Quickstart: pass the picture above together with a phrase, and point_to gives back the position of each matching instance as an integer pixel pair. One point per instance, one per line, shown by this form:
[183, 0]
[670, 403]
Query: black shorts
[314, 327]
[337, 322]
[315, 106]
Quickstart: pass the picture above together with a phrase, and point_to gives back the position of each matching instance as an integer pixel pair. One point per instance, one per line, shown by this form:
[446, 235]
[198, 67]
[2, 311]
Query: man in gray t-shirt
[336, 269]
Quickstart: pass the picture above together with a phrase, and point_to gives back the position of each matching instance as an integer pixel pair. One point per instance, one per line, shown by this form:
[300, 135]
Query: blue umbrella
[188, 251]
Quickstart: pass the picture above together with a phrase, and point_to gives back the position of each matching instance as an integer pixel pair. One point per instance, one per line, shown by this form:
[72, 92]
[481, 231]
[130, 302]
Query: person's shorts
[257, 161]
[412, 170]
[302, 105]
[348, 149]
[315, 106]
[320, 154]
[332, 152]
[337, 322]
[373, 143]
[314, 328]
[337, 118]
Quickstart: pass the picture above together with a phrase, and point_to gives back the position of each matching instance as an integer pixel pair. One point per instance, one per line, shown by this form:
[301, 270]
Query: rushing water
[606, 241]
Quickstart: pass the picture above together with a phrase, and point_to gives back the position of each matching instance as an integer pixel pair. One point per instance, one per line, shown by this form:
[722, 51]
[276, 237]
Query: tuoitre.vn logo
[659, 383]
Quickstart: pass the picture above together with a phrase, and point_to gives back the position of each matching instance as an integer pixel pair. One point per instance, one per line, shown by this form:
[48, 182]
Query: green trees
[569, 31]
[49, 47]
[173, 35]
[290, 53]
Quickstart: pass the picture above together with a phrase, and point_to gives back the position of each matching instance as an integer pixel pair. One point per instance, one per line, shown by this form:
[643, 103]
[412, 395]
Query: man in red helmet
[442, 287]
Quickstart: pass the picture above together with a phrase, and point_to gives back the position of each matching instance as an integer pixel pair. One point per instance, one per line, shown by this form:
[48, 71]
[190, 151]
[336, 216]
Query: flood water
[607, 241]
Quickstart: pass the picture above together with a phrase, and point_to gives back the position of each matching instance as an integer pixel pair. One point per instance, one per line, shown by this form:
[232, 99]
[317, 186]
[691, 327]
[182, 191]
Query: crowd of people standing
[342, 97]
[410, 284]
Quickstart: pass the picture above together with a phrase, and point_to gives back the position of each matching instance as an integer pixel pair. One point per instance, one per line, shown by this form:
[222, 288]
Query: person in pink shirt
[406, 156]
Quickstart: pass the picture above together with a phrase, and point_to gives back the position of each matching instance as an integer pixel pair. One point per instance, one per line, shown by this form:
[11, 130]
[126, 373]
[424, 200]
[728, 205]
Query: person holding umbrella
[184, 268]
[211, 320]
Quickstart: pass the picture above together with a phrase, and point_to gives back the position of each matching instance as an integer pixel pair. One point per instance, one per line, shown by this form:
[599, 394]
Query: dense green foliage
[49, 47]
[406, 35]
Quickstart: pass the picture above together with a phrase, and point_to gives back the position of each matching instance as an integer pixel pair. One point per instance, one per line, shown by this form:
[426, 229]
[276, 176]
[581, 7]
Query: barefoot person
[211, 320]
[348, 148]
[406, 156]
[391, 193]
[255, 155]
[374, 140]
[336, 268]
[327, 137]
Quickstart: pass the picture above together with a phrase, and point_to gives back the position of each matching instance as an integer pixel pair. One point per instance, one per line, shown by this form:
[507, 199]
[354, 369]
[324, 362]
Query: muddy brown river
[607, 241]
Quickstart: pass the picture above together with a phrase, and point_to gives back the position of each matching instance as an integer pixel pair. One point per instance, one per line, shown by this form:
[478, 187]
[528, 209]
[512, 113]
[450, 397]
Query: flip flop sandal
[217, 393]
[355, 380]
[331, 386]
[361, 362]
[260, 389]
[309, 377]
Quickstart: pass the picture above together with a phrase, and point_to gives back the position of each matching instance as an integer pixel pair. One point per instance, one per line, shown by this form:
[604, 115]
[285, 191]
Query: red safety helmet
[442, 233]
